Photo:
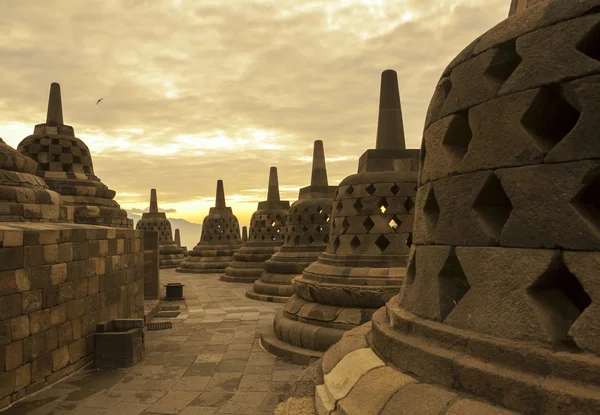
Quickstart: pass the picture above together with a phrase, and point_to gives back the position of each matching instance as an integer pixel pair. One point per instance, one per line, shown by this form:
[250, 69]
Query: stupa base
[200, 270]
[247, 272]
[286, 351]
[229, 278]
[265, 297]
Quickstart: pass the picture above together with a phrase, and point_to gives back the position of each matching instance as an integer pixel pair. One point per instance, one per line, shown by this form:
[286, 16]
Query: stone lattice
[171, 255]
[267, 234]
[368, 245]
[307, 235]
[501, 302]
[219, 241]
[24, 196]
[65, 163]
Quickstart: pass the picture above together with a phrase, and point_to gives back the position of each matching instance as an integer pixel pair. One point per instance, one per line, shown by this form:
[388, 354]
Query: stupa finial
[273, 192]
[220, 199]
[153, 201]
[55, 114]
[177, 238]
[319, 170]
[390, 127]
[517, 6]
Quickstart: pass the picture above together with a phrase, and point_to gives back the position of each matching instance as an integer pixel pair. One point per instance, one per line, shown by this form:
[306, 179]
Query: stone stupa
[500, 310]
[365, 261]
[307, 235]
[24, 196]
[65, 163]
[170, 254]
[267, 234]
[219, 241]
[178, 241]
[244, 234]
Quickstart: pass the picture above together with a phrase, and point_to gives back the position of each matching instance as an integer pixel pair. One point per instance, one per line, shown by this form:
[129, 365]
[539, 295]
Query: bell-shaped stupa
[307, 235]
[65, 163]
[267, 234]
[219, 241]
[499, 311]
[370, 238]
[24, 196]
[178, 241]
[170, 255]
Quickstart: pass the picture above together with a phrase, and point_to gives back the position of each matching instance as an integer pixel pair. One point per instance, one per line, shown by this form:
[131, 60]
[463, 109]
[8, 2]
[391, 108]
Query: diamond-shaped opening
[304, 229]
[370, 189]
[262, 237]
[297, 240]
[358, 205]
[273, 223]
[312, 218]
[382, 243]
[458, 135]
[493, 206]
[590, 43]
[327, 218]
[587, 201]
[310, 239]
[336, 244]
[319, 209]
[431, 209]
[504, 62]
[293, 229]
[273, 237]
[319, 228]
[305, 210]
[453, 285]
[395, 223]
[409, 240]
[549, 118]
[368, 224]
[560, 300]
[355, 243]
[409, 205]
[350, 190]
[345, 225]
[278, 230]
[326, 238]
[218, 226]
[395, 189]
[382, 205]
[338, 207]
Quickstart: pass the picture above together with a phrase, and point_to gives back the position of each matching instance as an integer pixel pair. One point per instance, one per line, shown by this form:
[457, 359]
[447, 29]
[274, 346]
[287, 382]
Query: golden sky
[200, 90]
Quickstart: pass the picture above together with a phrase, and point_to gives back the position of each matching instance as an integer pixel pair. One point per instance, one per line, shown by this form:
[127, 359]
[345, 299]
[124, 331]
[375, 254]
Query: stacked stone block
[307, 235]
[368, 246]
[219, 241]
[267, 234]
[65, 163]
[56, 282]
[171, 255]
[499, 310]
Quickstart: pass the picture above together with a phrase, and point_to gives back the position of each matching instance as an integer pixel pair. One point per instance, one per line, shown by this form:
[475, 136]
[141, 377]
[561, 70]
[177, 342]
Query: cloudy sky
[200, 90]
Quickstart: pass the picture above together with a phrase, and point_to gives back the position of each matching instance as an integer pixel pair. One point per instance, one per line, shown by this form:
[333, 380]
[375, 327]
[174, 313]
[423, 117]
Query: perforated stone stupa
[307, 235]
[24, 196]
[267, 234]
[371, 234]
[65, 163]
[219, 241]
[499, 311]
[178, 241]
[170, 254]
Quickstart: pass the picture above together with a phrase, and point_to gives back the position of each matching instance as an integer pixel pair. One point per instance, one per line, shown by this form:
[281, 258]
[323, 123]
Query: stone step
[286, 351]
[266, 297]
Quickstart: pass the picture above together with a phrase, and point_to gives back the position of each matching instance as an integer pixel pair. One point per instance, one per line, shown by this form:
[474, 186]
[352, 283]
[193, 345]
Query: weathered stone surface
[65, 163]
[220, 239]
[170, 254]
[266, 236]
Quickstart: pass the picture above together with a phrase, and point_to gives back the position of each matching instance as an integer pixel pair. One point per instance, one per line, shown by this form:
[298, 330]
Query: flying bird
[99, 101]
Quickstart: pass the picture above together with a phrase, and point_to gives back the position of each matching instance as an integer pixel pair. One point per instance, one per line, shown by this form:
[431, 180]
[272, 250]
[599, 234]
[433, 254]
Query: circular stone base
[266, 297]
[286, 351]
[228, 278]
[303, 334]
[199, 271]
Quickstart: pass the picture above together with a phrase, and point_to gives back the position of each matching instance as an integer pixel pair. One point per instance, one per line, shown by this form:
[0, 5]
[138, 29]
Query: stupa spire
[319, 170]
[273, 192]
[220, 199]
[390, 127]
[153, 201]
[55, 114]
[177, 238]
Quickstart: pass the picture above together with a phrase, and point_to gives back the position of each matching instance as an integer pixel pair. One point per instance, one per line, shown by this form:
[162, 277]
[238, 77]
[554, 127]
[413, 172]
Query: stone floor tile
[199, 410]
[129, 408]
[106, 399]
[257, 383]
[212, 398]
[145, 397]
[173, 402]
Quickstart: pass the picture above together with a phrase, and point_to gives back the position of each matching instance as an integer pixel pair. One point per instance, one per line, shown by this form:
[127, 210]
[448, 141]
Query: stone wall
[151, 265]
[56, 282]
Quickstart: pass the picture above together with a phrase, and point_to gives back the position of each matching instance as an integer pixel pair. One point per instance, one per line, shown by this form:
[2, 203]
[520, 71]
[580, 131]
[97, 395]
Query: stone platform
[210, 362]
